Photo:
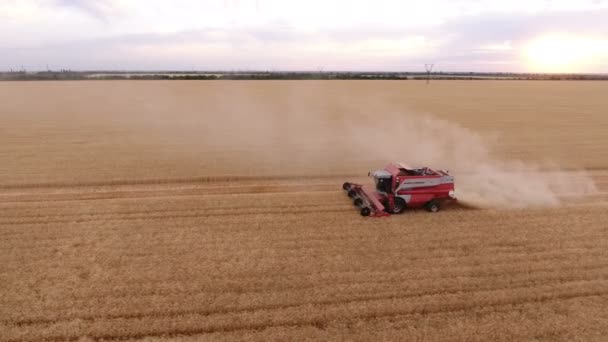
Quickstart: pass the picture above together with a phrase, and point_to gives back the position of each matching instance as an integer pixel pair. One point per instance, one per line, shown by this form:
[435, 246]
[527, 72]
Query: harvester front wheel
[433, 207]
[346, 186]
[358, 202]
[352, 194]
[399, 206]
[366, 211]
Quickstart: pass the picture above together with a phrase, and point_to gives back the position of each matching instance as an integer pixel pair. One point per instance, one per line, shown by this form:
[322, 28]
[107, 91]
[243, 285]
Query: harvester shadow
[462, 206]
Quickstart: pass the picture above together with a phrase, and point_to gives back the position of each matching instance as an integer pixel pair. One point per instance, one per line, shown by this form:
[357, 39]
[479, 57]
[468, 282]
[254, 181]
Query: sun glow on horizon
[564, 53]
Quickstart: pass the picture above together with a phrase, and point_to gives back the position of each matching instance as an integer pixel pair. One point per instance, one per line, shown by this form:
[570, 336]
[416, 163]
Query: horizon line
[262, 71]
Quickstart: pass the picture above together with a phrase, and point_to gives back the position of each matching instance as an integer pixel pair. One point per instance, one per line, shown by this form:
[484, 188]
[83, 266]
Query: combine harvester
[399, 187]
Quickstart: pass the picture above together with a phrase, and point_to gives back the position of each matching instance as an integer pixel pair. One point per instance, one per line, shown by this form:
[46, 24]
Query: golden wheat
[213, 210]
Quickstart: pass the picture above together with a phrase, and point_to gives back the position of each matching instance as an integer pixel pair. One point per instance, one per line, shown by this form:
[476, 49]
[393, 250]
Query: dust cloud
[318, 128]
[298, 135]
[482, 180]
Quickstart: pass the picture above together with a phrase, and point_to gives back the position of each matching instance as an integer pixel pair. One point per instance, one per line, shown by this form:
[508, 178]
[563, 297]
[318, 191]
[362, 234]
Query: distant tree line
[23, 75]
[41, 75]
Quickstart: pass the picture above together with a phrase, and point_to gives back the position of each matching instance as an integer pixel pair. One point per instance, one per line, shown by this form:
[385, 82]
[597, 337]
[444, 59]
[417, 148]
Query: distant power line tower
[320, 72]
[429, 69]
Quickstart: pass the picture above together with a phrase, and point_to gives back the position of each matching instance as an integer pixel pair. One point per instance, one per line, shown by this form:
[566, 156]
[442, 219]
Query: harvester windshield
[383, 184]
[382, 179]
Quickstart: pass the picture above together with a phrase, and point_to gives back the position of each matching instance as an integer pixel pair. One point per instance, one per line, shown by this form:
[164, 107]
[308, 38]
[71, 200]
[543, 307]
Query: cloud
[495, 39]
[109, 34]
[100, 9]
[227, 49]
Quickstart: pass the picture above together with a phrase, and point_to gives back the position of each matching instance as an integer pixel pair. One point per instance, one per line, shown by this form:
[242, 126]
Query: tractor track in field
[191, 186]
[173, 181]
[438, 288]
[225, 212]
[446, 240]
[502, 262]
[530, 273]
[143, 194]
[439, 252]
[196, 187]
[220, 179]
[251, 238]
[450, 304]
[151, 211]
[525, 285]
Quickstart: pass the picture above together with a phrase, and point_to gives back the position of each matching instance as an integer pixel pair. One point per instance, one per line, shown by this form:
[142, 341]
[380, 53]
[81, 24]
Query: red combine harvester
[399, 187]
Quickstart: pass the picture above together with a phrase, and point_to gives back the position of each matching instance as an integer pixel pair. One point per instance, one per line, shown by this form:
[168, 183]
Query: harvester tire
[399, 206]
[346, 186]
[358, 202]
[366, 211]
[352, 194]
[433, 207]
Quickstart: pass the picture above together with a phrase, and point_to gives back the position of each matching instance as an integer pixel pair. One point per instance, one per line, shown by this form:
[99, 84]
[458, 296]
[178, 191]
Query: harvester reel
[358, 202]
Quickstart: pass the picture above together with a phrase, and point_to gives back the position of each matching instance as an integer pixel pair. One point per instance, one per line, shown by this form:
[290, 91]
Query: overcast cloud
[465, 35]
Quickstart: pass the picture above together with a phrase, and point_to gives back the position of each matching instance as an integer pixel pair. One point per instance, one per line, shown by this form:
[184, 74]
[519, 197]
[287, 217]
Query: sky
[238, 35]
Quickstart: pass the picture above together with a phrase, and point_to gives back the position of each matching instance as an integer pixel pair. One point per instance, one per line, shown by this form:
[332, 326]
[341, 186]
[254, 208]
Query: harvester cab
[398, 187]
[383, 181]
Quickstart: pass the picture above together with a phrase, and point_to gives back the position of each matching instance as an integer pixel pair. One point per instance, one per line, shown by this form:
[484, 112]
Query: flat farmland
[194, 210]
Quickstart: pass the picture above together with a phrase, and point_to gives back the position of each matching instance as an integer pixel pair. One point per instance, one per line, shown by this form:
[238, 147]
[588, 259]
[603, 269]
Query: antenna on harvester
[429, 69]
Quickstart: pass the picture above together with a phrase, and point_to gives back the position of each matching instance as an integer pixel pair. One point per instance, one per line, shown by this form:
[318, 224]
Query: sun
[564, 53]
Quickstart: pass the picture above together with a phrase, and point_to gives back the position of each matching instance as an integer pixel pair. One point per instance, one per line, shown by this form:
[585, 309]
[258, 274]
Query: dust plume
[308, 136]
[482, 180]
[317, 128]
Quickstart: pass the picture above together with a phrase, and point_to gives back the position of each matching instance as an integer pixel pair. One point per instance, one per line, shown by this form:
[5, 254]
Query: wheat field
[195, 210]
